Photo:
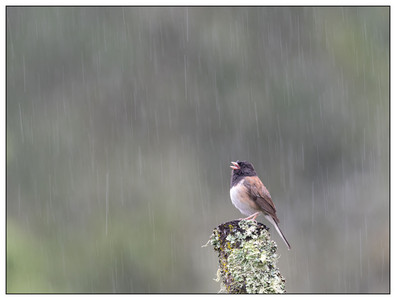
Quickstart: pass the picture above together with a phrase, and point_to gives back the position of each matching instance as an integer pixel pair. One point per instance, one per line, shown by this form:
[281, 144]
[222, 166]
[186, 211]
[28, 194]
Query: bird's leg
[252, 217]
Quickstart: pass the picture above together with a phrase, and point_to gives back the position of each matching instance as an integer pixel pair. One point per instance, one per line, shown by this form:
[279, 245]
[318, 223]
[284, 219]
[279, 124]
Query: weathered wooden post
[247, 258]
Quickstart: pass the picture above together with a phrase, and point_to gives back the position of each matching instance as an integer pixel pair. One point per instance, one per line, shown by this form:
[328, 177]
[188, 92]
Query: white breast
[237, 200]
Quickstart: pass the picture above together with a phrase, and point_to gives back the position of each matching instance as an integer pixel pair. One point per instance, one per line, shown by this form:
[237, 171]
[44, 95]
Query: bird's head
[242, 168]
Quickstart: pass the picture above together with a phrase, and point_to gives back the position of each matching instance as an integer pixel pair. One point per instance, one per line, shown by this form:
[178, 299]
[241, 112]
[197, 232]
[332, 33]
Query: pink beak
[235, 166]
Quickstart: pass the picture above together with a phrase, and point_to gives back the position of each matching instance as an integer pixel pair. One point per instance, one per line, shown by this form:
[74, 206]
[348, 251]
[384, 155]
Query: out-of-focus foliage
[121, 123]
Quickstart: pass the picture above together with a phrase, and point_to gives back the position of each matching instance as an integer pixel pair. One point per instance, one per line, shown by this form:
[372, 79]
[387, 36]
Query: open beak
[235, 166]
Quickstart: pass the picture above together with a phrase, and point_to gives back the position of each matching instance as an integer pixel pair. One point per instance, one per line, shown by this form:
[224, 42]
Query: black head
[241, 169]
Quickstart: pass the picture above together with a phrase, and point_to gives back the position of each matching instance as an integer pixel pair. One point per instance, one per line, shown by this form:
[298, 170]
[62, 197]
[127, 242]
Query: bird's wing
[261, 196]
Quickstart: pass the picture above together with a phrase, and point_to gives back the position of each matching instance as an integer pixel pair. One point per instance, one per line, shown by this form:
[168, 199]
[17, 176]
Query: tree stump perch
[247, 258]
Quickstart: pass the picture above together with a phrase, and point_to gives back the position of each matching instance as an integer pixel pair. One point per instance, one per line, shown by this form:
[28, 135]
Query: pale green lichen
[247, 259]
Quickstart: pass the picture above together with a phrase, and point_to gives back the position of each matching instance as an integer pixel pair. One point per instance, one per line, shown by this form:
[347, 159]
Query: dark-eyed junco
[250, 196]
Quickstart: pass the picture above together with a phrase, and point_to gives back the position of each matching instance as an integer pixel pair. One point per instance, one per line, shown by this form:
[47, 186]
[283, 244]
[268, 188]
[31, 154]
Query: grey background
[122, 122]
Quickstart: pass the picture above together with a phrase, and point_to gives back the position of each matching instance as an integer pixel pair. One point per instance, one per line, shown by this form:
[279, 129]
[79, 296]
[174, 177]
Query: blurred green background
[122, 122]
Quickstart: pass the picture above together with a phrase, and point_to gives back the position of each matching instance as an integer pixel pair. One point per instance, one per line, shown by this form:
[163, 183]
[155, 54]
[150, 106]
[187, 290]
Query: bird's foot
[252, 217]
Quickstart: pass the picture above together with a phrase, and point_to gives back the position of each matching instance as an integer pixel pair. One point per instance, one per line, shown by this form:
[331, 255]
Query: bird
[250, 195]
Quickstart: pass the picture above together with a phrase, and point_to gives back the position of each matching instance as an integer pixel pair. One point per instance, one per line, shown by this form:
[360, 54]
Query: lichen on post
[247, 258]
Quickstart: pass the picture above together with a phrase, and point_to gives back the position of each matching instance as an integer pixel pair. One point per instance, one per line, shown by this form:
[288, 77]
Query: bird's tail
[273, 222]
